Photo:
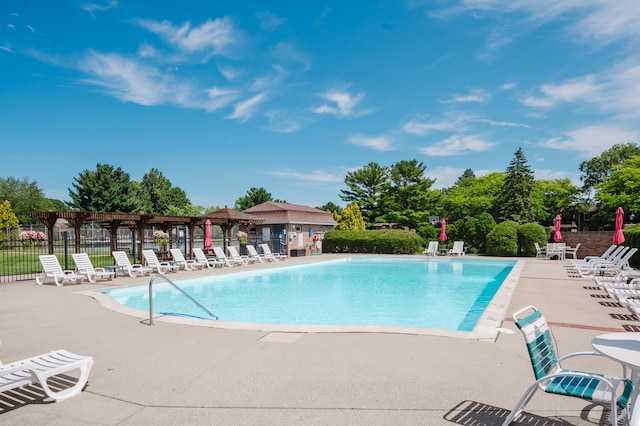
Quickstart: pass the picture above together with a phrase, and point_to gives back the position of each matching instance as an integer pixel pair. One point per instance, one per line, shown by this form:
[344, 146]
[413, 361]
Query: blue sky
[291, 95]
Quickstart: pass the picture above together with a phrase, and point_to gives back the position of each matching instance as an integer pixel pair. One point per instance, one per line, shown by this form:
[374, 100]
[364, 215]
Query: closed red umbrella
[557, 236]
[443, 234]
[618, 236]
[207, 235]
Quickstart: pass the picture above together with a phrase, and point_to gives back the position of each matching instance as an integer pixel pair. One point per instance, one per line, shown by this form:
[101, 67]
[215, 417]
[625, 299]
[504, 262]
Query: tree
[254, 197]
[351, 219]
[366, 185]
[331, 207]
[514, 200]
[553, 196]
[468, 173]
[107, 189]
[159, 196]
[597, 169]
[25, 197]
[472, 196]
[407, 198]
[620, 189]
[7, 218]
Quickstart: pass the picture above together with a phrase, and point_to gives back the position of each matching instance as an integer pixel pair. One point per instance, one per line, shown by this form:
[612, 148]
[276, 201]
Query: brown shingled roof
[276, 213]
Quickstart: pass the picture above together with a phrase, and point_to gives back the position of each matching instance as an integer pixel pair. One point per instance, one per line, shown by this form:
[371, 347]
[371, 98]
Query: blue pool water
[445, 293]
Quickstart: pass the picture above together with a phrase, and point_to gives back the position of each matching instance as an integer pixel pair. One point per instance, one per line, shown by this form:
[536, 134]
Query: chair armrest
[577, 354]
[68, 272]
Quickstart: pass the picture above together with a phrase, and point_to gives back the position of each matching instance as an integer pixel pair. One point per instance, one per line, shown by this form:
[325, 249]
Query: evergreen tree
[106, 189]
[366, 186]
[351, 219]
[159, 196]
[468, 173]
[514, 200]
[254, 197]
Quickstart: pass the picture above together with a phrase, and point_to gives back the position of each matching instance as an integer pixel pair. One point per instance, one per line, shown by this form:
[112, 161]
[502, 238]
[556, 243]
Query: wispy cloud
[246, 109]
[270, 21]
[592, 140]
[458, 145]
[289, 54]
[94, 7]
[416, 127]
[283, 122]
[379, 143]
[341, 103]
[6, 49]
[474, 95]
[214, 36]
[314, 176]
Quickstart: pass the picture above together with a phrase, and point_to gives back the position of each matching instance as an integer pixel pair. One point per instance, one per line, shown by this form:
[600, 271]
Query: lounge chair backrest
[624, 260]
[177, 255]
[219, 253]
[50, 264]
[432, 249]
[121, 259]
[266, 249]
[83, 263]
[150, 257]
[233, 252]
[199, 254]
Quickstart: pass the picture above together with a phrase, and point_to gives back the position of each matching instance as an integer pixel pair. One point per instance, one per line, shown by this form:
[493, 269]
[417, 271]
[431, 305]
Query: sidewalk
[178, 374]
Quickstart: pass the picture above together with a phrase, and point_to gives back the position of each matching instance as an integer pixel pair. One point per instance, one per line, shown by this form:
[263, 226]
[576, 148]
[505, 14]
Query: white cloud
[474, 95]
[592, 140]
[6, 49]
[415, 127]
[314, 176]
[380, 143]
[219, 98]
[457, 145]
[93, 7]
[213, 36]
[246, 109]
[288, 53]
[282, 122]
[230, 73]
[270, 21]
[344, 103]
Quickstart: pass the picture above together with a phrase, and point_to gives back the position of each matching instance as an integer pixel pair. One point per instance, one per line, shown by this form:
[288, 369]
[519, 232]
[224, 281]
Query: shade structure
[207, 234]
[618, 236]
[557, 236]
[443, 234]
[227, 218]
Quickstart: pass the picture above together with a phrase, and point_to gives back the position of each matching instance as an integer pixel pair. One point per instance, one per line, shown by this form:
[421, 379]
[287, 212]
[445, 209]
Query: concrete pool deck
[177, 374]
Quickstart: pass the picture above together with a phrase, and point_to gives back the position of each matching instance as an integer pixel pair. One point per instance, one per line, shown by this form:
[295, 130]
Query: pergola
[137, 222]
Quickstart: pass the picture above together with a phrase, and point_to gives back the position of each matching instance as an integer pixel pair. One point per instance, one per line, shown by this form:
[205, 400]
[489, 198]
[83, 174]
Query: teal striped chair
[552, 378]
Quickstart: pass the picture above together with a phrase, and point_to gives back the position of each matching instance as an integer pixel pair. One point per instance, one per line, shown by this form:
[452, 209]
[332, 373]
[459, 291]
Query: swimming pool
[388, 291]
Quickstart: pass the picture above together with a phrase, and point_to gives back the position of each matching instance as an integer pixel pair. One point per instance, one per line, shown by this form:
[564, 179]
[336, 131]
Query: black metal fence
[19, 258]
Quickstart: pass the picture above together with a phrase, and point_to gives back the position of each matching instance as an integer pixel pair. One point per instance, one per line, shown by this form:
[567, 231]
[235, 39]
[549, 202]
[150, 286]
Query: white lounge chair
[607, 255]
[85, 267]
[253, 254]
[615, 267]
[184, 263]
[202, 259]
[227, 261]
[39, 369]
[432, 250]
[51, 269]
[458, 249]
[553, 379]
[152, 261]
[135, 269]
[267, 252]
[234, 255]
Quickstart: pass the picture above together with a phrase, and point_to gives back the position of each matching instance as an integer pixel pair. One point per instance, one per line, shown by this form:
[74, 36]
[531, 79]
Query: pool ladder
[153, 278]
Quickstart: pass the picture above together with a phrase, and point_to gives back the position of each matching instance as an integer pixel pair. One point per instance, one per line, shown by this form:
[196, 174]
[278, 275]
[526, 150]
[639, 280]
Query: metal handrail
[177, 288]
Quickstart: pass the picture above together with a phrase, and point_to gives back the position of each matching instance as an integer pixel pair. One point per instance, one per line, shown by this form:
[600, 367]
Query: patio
[171, 373]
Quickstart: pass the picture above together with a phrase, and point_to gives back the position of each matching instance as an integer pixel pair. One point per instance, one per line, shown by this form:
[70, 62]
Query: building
[290, 228]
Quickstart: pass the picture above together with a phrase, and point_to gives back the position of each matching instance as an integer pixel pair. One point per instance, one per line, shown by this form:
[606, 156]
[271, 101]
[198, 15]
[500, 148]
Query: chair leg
[521, 404]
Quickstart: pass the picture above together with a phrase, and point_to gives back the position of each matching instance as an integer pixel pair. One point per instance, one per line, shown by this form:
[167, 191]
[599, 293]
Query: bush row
[378, 242]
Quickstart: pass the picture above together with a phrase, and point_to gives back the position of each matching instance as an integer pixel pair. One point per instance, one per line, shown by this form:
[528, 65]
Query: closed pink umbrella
[618, 236]
[443, 234]
[207, 235]
[557, 236]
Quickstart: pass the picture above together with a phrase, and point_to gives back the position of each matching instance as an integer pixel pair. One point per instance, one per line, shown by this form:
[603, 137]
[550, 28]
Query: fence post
[133, 246]
[65, 235]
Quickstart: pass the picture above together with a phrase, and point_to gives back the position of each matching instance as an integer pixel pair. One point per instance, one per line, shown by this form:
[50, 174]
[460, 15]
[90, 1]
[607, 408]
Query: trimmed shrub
[503, 239]
[374, 242]
[632, 239]
[528, 234]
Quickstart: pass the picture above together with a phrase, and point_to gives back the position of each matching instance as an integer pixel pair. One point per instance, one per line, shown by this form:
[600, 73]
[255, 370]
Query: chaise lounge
[51, 269]
[39, 369]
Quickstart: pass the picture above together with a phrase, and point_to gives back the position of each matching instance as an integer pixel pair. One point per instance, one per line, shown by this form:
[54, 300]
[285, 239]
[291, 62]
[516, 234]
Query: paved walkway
[179, 374]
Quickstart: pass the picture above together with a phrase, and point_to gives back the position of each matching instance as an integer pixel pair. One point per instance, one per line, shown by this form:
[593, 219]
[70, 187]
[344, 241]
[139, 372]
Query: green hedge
[503, 239]
[632, 239]
[528, 235]
[374, 242]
